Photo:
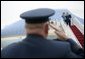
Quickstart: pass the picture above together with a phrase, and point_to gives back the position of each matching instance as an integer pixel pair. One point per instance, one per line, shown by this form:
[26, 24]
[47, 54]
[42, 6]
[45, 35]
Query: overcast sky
[10, 10]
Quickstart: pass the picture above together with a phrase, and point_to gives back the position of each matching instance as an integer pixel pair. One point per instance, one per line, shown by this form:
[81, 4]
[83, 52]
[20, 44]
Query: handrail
[77, 23]
[69, 32]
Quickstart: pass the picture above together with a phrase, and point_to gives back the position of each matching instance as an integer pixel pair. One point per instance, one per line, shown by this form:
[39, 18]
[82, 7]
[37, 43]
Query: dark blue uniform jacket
[35, 46]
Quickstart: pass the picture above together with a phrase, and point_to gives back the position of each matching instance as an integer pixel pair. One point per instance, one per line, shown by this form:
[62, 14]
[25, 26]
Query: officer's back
[35, 45]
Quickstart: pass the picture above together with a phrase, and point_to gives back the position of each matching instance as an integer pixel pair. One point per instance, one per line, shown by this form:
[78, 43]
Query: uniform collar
[34, 35]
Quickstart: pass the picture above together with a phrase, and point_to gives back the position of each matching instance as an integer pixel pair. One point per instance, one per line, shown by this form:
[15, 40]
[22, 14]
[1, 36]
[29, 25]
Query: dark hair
[63, 12]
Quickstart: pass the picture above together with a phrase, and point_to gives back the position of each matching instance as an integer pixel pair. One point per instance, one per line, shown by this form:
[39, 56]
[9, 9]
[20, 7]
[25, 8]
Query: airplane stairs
[78, 34]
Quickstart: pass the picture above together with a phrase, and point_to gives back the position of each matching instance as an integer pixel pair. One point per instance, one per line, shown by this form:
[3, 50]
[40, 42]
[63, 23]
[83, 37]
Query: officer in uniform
[36, 45]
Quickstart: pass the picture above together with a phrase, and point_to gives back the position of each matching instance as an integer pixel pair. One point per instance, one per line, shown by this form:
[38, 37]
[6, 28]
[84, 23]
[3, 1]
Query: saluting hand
[61, 34]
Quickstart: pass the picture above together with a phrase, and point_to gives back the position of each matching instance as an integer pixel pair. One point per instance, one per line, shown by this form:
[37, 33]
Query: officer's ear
[46, 29]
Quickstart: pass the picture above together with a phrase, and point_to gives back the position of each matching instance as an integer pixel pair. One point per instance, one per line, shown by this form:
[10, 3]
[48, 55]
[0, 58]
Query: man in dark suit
[64, 16]
[35, 45]
[68, 19]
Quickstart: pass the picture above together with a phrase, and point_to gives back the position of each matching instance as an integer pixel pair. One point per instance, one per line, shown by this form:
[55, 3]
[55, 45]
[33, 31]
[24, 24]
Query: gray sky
[10, 10]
